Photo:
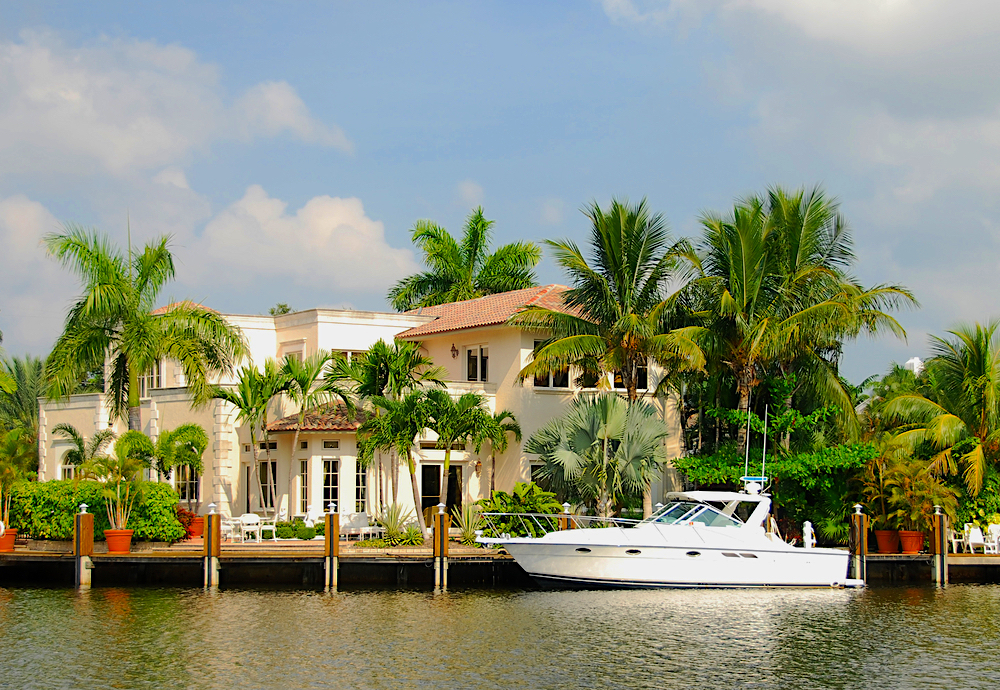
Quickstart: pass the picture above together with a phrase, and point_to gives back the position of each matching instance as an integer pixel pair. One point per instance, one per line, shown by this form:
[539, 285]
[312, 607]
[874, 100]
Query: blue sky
[289, 147]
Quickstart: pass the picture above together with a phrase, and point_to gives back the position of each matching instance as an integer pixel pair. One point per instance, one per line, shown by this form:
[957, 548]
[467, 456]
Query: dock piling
[939, 547]
[212, 548]
[858, 541]
[83, 547]
[331, 549]
[442, 523]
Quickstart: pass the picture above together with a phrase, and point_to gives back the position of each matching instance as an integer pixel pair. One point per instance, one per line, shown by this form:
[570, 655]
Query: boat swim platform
[263, 565]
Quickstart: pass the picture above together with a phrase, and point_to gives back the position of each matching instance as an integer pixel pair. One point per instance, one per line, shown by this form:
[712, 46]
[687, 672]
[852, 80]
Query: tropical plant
[7, 382]
[18, 459]
[959, 418]
[461, 270]
[412, 536]
[603, 449]
[183, 447]
[120, 473]
[390, 371]
[497, 429]
[307, 389]
[83, 450]
[913, 493]
[114, 319]
[280, 309]
[525, 498]
[469, 520]
[396, 428]
[251, 396]
[19, 408]
[454, 422]
[394, 519]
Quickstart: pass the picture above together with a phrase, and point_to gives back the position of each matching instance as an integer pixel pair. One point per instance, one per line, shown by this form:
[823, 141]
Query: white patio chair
[975, 540]
[269, 523]
[228, 528]
[957, 541]
[354, 524]
[993, 542]
[250, 525]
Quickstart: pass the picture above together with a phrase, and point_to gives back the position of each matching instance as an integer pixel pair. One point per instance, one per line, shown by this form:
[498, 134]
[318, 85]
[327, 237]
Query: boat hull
[651, 566]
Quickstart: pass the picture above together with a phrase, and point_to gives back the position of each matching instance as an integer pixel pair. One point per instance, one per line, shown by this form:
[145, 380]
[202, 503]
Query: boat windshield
[690, 512]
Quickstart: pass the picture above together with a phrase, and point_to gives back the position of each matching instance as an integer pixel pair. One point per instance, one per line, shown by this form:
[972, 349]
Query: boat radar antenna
[754, 485]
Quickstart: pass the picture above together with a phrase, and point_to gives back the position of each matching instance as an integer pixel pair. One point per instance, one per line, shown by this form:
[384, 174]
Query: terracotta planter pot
[197, 528]
[888, 540]
[912, 542]
[7, 540]
[119, 540]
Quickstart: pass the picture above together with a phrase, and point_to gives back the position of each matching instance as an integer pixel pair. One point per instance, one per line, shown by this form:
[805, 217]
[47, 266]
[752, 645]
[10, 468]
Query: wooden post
[442, 523]
[83, 547]
[858, 541]
[331, 548]
[939, 546]
[212, 548]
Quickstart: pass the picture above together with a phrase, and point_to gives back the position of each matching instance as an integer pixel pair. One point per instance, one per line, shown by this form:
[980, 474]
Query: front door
[430, 476]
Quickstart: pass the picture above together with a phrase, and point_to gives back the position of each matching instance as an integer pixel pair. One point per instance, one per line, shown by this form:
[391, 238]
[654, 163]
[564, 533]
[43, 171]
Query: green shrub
[527, 497]
[286, 530]
[44, 510]
[372, 544]
[304, 532]
[412, 536]
[321, 528]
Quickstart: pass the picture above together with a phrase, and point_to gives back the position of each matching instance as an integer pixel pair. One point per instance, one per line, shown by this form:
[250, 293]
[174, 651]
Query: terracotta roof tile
[184, 303]
[323, 418]
[484, 311]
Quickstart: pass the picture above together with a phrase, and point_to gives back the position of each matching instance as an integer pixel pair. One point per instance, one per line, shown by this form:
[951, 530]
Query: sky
[289, 147]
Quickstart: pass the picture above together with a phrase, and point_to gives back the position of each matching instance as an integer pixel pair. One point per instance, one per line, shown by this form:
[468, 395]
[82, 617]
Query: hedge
[44, 510]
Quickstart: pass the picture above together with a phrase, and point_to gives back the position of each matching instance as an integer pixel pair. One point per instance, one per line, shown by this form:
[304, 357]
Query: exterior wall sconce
[454, 351]
[479, 468]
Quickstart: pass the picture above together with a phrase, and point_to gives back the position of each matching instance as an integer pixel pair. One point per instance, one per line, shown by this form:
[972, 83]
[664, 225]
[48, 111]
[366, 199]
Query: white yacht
[696, 540]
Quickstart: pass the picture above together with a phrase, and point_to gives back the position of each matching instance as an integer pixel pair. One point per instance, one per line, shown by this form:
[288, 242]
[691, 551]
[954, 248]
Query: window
[553, 379]
[151, 379]
[296, 356]
[536, 469]
[478, 363]
[268, 481]
[303, 444]
[303, 486]
[328, 445]
[247, 447]
[331, 482]
[432, 445]
[187, 483]
[641, 379]
[67, 471]
[270, 445]
[361, 490]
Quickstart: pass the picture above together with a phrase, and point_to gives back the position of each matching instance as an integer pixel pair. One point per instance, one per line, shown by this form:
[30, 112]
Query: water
[171, 638]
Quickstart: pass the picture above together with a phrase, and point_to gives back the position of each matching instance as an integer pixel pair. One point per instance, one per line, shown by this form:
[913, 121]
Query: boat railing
[506, 525]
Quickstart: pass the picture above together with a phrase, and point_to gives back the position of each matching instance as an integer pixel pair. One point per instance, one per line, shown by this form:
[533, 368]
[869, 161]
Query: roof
[484, 311]
[173, 305]
[323, 418]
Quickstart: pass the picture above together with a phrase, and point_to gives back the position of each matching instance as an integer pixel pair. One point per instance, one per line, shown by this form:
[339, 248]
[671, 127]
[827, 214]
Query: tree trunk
[493, 472]
[701, 418]
[717, 420]
[381, 482]
[412, 466]
[256, 471]
[647, 501]
[134, 416]
[743, 389]
[291, 467]
[394, 476]
[446, 473]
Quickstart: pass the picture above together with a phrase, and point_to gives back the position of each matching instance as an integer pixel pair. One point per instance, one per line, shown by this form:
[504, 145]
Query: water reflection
[138, 638]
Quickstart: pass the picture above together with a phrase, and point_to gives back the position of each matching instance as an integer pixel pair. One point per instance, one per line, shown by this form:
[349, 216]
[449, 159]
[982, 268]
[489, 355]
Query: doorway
[430, 476]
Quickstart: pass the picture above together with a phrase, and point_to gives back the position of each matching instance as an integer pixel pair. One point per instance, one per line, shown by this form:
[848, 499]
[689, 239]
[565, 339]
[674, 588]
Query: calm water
[169, 638]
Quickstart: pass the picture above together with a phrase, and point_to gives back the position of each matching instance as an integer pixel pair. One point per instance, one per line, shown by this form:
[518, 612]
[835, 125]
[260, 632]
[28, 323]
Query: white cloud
[469, 193]
[126, 105]
[34, 290]
[328, 245]
[553, 211]
[172, 176]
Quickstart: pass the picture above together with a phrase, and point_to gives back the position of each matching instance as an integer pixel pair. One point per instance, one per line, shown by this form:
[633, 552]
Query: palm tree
[390, 371]
[84, 450]
[604, 448]
[18, 460]
[960, 415]
[464, 270]
[770, 289]
[251, 396]
[454, 422]
[114, 320]
[119, 473]
[397, 428]
[307, 389]
[19, 408]
[182, 447]
[618, 316]
[7, 383]
[497, 428]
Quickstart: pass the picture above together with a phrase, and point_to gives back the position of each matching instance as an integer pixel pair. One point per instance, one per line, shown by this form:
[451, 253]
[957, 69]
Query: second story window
[478, 359]
[151, 379]
[641, 379]
[553, 379]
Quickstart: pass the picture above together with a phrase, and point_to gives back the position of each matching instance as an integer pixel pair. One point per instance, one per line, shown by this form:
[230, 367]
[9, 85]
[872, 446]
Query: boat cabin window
[688, 512]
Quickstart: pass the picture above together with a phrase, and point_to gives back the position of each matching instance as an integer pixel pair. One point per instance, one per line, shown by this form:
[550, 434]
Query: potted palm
[876, 494]
[120, 473]
[16, 455]
[913, 493]
[183, 447]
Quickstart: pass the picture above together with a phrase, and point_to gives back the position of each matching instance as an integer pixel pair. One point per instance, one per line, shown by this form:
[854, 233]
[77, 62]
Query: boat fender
[808, 536]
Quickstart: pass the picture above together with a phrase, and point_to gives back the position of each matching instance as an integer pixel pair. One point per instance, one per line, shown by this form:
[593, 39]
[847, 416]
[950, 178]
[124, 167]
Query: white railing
[505, 525]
